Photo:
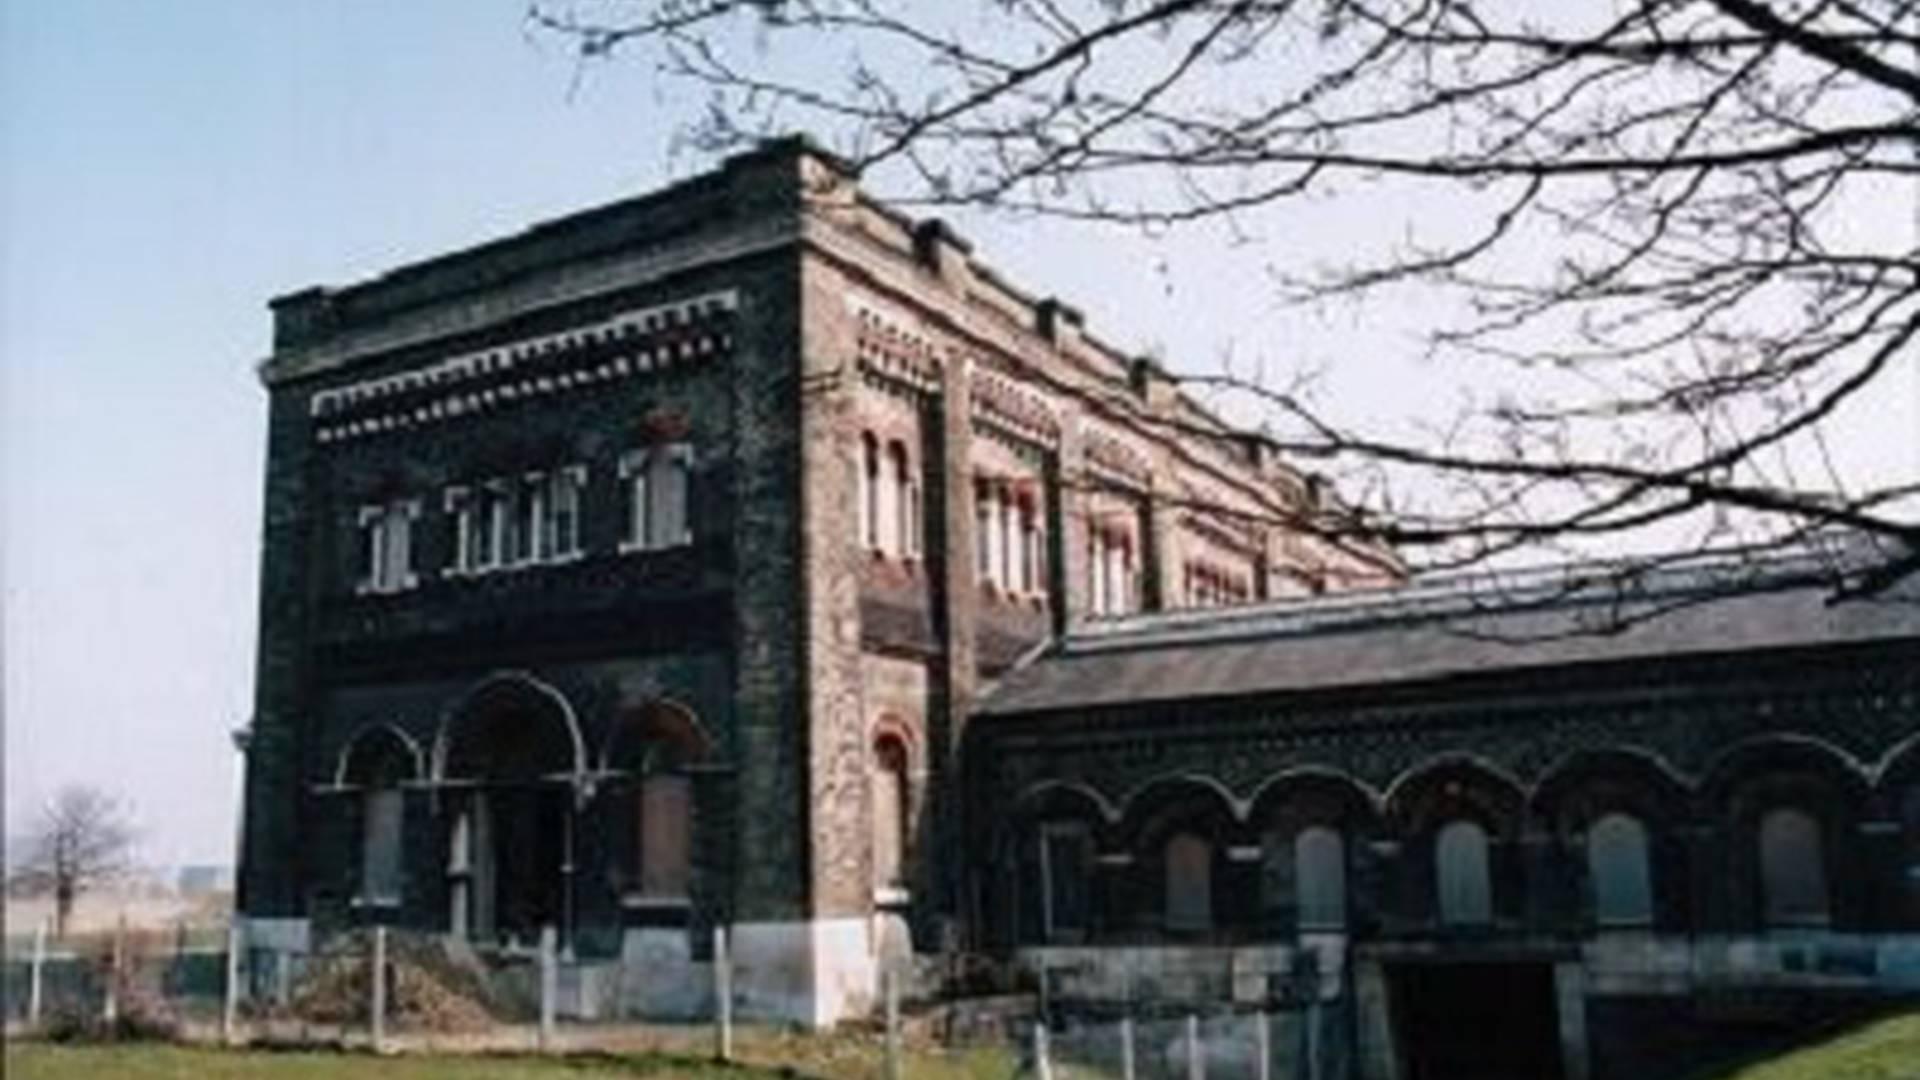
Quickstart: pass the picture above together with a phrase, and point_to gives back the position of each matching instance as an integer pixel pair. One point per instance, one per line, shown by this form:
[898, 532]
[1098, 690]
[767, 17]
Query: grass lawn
[824, 1059]
[1885, 1049]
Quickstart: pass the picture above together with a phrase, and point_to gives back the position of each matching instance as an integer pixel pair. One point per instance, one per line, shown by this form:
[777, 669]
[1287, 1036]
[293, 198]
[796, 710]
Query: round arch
[1584, 785]
[1450, 786]
[1763, 756]
[659, 722]
[477, 714]
[367, 743]
[1315, 792]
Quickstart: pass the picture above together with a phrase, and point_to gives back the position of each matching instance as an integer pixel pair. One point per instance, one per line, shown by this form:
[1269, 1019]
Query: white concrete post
[549, 985]
[1126, 1047]
[230, 1009]
[1196, 1060]
[111, 1011]
[1263, 1047]
[282, 977]
[1042, 1065]
[722, 996]
[378, 1007]
[890, 981]
[34, 977]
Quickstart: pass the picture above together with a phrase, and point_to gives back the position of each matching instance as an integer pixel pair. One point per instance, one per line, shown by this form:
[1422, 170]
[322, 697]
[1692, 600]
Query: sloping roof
[1421, 633]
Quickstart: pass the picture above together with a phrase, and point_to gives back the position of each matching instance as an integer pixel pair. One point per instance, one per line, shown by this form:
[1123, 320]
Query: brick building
[1588, 832]
[637, 573]
[747, 553]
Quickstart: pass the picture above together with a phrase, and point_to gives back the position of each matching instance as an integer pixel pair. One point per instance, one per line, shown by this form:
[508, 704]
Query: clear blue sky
[165, 168]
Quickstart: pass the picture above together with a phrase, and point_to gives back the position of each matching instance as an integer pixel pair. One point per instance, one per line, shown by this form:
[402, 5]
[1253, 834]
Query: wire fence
[383, 989]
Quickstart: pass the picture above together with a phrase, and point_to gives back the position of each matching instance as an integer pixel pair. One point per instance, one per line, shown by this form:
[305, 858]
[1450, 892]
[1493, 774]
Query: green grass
[1884, 1049]
[828, 1059]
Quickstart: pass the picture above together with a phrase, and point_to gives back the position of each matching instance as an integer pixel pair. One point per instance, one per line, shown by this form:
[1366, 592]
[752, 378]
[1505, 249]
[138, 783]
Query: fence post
[282, 977]
[33, 980]
[890, 980]
[378, 1006]
[111, 1011]
[1262, 1046]
[231, 1007]
[1126, 1045]
[1196, 1060]
[549, 988]
[1042, 1065]
[723, 996]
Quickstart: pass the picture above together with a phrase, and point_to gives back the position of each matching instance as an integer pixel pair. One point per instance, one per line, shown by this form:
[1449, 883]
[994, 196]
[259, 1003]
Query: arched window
[1189, 883]
[657, 481]
[1465, 887]
[903, 513]
[653, 750]
[1617, 865]
[890, 802]
[1793, 873]
[1320, 878]
[1066, 860]
[982, 529]
[376, 763]
[869, 491]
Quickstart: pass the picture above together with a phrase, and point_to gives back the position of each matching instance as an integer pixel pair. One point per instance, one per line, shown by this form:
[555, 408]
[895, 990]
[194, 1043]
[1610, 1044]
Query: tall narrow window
[1793, 873]
[529, 519]
[1066, 856]
[488, 530]
[562, 521]
[664, 805]
[382, 814]
[1029, 549]
[375, 764]
[890, 790]
[1189, 885]
[899, 534]
[982, 531]
[869, 491]
[386, 546]
[1617, 866]
[658, 483]
[1320, 878]
[1465, 886]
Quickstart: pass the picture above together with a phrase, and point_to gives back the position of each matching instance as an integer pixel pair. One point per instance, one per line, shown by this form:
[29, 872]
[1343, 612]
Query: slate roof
[1557, 616]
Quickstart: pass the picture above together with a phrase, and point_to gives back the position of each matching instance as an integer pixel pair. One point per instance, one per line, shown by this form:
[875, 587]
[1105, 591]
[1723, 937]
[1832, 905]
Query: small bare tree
[81, 839]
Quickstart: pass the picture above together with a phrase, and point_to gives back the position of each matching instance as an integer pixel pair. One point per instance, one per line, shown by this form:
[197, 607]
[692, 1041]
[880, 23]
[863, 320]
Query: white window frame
[640, 470]
[386, 571]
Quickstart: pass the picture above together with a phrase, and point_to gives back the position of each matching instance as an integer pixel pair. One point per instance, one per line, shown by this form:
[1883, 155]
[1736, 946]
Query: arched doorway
[508, 763]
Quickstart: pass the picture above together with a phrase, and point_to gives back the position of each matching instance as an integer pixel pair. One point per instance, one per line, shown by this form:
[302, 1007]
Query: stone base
[814, 972]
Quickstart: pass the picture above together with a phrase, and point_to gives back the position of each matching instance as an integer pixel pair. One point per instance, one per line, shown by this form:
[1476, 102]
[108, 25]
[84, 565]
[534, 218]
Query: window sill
[370, 903]
[629, 547]
[655, 903]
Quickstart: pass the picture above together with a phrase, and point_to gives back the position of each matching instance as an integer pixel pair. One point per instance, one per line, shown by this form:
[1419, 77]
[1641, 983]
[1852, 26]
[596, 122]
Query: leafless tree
[81, 839]
[1689, 226]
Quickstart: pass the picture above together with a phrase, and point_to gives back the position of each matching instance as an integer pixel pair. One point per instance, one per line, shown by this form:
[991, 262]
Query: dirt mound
[428, 988]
